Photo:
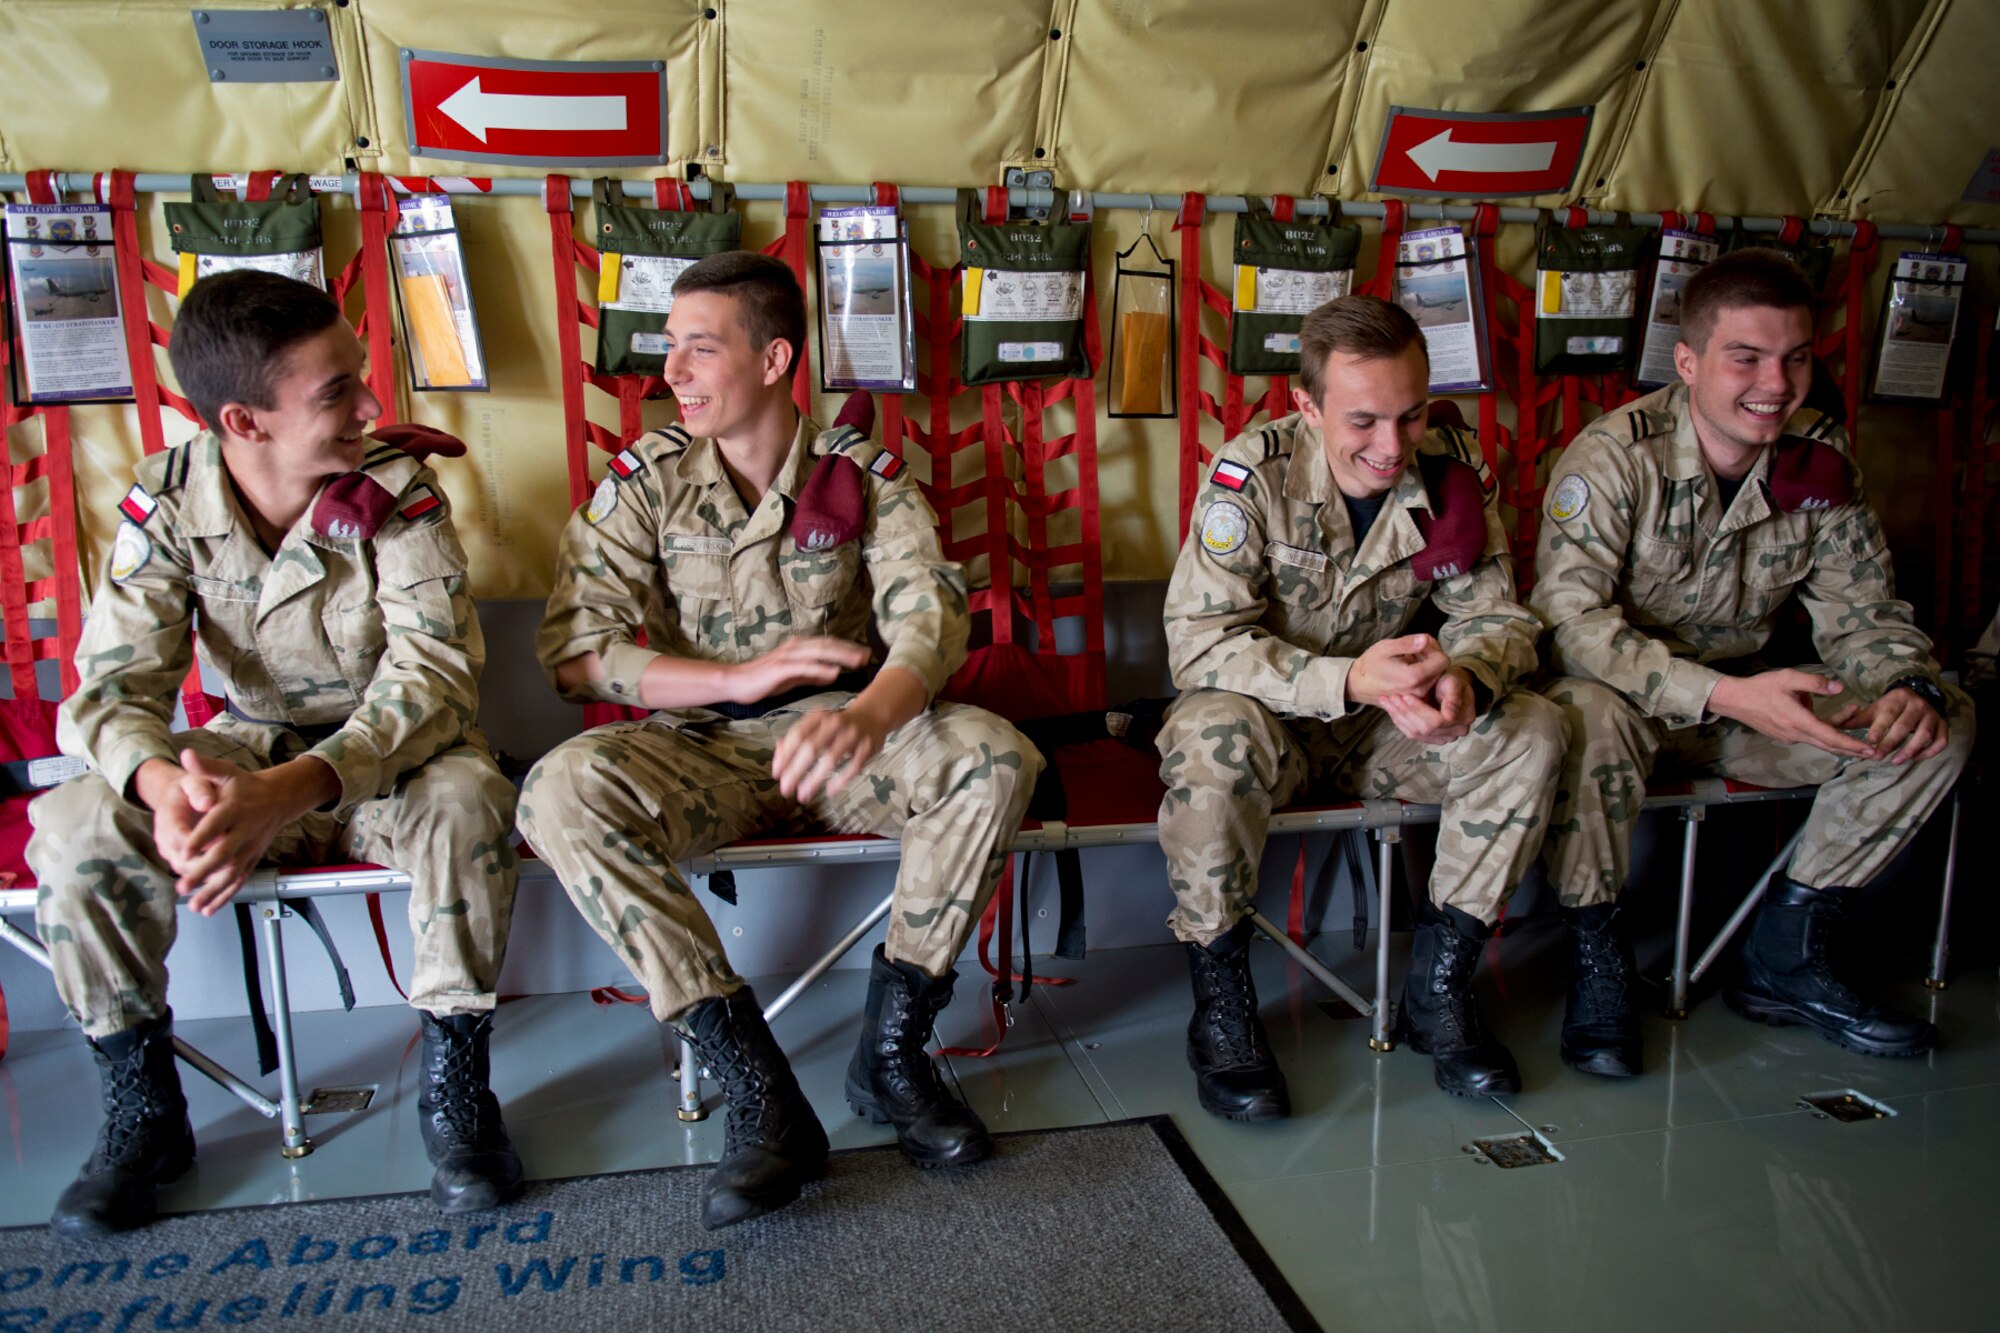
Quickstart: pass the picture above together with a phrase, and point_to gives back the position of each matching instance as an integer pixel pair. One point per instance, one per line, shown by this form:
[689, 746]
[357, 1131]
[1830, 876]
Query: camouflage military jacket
[666, 546]
[1645, 580]
[1271, 599]
[374, 637]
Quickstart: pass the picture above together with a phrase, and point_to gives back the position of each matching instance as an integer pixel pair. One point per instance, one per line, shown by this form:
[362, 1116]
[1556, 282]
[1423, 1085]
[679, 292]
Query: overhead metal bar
[1315, 206]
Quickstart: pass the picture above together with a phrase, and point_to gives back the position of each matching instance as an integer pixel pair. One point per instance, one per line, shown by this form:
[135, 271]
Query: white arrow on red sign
[479, 111]
[1442, 153]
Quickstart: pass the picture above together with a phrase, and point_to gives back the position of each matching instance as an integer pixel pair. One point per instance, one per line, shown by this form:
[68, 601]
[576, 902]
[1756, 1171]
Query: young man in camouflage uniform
[1319, 538]
[761, 556]
[1674, 531]
[320, 570]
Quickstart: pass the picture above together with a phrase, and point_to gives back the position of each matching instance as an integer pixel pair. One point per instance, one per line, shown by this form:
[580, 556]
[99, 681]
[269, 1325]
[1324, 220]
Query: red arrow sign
[535, 112]
[1465, 154]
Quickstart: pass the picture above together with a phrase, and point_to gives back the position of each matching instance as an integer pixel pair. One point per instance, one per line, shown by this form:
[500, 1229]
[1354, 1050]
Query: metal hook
[1146, 218]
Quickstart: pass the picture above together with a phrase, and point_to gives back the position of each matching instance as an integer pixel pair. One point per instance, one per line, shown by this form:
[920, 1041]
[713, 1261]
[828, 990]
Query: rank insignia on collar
[137, 505]
[1230, 475]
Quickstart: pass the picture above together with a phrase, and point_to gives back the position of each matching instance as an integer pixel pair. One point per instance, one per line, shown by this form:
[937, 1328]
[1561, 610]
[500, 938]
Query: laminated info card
[1919, 319]
[1434, 283]
[867, 337]
[63, 281]
[440, 329]
[1682, 254]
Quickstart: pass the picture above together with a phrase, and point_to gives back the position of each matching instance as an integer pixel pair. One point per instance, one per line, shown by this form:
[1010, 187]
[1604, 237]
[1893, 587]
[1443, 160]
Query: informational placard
[1005, 295]
[866, 331]
[1682, 254]
[440, 327]
[1437, 284]
[265, 45]
[1283, 291]
[1919, 322]
[63, 291]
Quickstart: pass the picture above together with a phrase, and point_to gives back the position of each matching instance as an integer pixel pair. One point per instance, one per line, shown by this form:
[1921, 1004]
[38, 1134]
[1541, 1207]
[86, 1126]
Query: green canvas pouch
[1283, 272]
[641, 251]
[1023, 297]
[1586, 297]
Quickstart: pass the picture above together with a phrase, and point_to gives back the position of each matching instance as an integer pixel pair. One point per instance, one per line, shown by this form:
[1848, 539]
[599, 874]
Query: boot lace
[133, 1110]
[1601, 972]
[906, 1067]
[461, 1105]
[746, 1091]
[1233, 1014]
[1451, 983]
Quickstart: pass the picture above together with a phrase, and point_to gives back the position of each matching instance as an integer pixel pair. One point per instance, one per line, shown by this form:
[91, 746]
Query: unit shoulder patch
[130, 550]
[602, 501]
[1570, 497]
[1224, 527]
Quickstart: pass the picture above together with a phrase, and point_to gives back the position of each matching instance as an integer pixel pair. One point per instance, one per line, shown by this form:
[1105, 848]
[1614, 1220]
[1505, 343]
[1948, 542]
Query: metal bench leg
[199, 1062]
[1941, 950]
[1381, 1039]
[1748, 905]
[832, 956]
[690, 1108]
[1307, 960]
[1677, 999]
[296, 1144]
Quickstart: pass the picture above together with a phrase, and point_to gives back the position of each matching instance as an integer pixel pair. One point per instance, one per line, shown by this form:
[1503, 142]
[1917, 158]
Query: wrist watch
[1924, 688]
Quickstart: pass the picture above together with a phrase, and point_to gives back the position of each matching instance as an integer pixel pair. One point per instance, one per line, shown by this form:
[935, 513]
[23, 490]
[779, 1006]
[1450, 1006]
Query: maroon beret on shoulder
[1454, 531]
[1808, 474]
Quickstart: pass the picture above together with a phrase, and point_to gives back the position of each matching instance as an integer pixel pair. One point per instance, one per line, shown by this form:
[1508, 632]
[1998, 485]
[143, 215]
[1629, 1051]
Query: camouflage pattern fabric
[1270, 603]
[362, 652]
[1653, 593]
[615, 808]
[667, 547]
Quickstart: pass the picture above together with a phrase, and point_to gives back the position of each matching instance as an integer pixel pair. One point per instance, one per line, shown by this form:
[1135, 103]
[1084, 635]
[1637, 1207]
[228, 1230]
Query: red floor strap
[382, 942]
[608, 995]
[569, 354]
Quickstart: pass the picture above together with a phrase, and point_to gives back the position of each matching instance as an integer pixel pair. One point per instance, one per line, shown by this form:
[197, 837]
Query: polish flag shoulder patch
[886, 465]
[624, 463]
[137, 505]
[423, 500]
[1230, 475]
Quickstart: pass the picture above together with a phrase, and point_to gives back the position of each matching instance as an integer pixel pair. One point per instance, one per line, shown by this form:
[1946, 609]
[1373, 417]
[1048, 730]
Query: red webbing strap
[1485, 231]
[4, 1027]
[1671, 221]
[1284, 208]
[1188, 224]
[13, 584]
[1979, 456]
[612, 995]
[67, 568]
[1083, 443]
[1574, 217]
[1383, 284]
[42, 188]
[1954, 236]
[794, 247]
[1000, 563]
[1860, 259]
[1295, 910]
[1943, 505]
[887, 195]
[996, 204]
[377, 318]
[1704, 223]
[1791, 230]
[382, 942]
[569, 344]
[674, 196]
[132, 297]
[1000, 910]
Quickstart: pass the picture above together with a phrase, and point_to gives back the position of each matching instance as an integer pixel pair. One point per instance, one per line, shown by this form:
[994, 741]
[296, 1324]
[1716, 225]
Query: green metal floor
[1699, 1196]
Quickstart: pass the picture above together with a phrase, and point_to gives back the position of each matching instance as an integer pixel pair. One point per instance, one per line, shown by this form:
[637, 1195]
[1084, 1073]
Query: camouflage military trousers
[1227, 761]
[107, 904]
[615, 808]
[1865, 812]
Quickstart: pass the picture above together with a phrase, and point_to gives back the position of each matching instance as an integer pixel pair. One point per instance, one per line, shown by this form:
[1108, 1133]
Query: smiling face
[726, 386]
[1372, 415]
[1747, 380]
[321, 406]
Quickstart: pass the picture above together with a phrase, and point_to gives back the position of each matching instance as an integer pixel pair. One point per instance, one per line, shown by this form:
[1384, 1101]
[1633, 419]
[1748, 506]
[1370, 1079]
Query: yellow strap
[187, 274]
[974, 279]
[1552, 292]
[608, 269]
[1246, 287]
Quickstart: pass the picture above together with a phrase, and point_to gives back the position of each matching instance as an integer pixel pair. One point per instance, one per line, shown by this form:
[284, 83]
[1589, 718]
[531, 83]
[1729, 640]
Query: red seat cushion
[27, 731]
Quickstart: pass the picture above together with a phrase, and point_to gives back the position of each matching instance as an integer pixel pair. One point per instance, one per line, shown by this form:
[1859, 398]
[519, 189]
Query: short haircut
[232, 333]
[1361, 326]
[1757, 276]
[768, 298]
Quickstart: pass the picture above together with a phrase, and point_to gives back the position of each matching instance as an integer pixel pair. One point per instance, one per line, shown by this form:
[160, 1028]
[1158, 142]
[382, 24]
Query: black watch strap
[1924, 688]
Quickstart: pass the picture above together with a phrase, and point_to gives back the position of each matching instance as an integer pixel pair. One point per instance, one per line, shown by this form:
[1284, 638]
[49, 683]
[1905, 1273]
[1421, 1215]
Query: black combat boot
[477, 1166]
[1440, 1018]
[1235, 1074]
[1782, 977]
[892, 1081]
[772, 1142]
[1600, 1030]
[145, 1142]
